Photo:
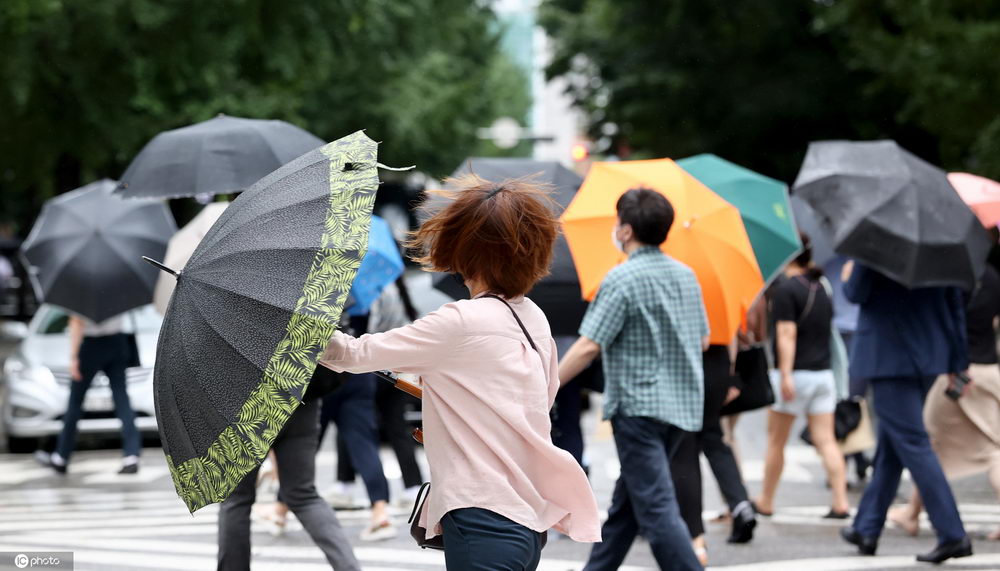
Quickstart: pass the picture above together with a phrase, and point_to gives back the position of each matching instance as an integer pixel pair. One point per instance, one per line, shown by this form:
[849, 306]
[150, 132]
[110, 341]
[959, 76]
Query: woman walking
[94, 348]
[804, 384]
[490, 375]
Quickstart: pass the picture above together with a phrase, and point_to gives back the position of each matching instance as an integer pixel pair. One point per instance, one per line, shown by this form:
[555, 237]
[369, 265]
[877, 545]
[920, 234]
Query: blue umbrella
[380, 267]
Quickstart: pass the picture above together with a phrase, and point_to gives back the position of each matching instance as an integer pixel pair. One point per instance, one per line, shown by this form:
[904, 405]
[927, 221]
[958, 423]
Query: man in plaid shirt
[649, 324]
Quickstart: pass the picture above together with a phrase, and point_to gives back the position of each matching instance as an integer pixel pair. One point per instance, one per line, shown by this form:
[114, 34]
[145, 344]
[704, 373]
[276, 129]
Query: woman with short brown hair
[490, 374]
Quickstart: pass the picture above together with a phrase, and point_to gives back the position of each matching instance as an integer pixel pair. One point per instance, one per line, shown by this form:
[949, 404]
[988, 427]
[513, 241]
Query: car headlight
[22, 412]
[16, 369]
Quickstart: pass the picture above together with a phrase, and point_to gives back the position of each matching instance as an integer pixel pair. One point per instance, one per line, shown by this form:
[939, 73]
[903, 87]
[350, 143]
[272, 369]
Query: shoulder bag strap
[809, 302]
[523, 328]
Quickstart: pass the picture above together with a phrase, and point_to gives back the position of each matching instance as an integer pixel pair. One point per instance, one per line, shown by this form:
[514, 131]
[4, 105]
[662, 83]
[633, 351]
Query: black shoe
[59, 468]
[946, 551]
[837, 515]
[744, 522]
[866, 545]
[129, 469]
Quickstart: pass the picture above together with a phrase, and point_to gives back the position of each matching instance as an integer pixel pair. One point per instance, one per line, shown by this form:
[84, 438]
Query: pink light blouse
[486, 401]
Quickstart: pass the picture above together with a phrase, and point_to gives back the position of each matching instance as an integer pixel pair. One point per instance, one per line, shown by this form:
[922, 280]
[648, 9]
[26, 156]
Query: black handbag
[846, 418]
[133, 351]
[756, 392]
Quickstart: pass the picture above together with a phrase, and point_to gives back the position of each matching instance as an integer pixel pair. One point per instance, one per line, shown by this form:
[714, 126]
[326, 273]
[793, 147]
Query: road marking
[857, 562]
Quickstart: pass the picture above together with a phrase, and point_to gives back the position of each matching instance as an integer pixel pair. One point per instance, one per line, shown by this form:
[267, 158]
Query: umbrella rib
[223, 232]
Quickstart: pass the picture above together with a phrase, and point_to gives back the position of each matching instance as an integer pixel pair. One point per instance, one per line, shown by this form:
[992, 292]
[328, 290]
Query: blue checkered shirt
[649, 320]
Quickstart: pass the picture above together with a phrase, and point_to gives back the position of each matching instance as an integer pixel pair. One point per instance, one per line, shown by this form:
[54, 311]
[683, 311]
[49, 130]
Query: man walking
[905, 339]
[649, 323]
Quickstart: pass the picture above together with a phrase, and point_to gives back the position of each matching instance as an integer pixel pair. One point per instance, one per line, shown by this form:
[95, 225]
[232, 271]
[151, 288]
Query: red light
[579, 152]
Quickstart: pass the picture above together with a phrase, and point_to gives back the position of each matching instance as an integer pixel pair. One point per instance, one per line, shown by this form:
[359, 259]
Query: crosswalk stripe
[986, 561]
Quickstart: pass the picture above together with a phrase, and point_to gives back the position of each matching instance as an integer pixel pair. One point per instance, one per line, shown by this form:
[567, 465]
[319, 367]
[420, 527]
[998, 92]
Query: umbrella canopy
[707, 235]
[893, 212]
[763, 205]
[557, 294]
[253, 310]
[981, 194]
[808, 223]
[180, 248]
[381, 266]
[218, 156]
[85, 250]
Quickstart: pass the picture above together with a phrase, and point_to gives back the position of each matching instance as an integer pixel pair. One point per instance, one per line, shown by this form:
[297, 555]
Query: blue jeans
[903, 442]
[644, 500]
[480, 540]
[352, 409]
[109, 354]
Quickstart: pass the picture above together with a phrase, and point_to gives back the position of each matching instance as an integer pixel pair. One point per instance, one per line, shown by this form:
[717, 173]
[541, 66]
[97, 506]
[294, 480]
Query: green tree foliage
[84, 84]
[756, 81]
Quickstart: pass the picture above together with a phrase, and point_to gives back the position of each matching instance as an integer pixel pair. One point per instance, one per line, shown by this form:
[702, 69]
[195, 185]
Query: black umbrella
[218, 156]
[893, 212]
[253, 309]
[85, 250]
[558, 294]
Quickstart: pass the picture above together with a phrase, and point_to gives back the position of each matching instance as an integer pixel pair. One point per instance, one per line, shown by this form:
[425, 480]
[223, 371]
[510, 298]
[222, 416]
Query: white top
[111, 326]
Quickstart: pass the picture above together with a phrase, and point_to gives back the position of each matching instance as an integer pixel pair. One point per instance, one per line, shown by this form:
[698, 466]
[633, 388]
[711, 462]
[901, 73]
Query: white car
[38, 382]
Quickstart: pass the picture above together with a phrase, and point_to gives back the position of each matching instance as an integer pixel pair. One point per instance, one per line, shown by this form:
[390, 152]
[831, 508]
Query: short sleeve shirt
[649, 320]
[805, 302]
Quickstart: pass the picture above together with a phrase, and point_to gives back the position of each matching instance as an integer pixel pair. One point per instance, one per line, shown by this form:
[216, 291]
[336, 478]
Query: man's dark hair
[648, 212]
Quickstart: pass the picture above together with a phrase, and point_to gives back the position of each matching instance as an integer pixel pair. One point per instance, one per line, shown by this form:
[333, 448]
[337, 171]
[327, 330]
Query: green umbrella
[763, 205]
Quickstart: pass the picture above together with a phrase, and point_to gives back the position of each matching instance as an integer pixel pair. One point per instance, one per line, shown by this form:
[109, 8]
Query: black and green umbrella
[252, 311]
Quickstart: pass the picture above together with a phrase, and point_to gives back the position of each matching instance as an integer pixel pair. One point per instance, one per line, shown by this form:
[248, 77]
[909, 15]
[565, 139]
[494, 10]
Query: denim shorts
[815, 393]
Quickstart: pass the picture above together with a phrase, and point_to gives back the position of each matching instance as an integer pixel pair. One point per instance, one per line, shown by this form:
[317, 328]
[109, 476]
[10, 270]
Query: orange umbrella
[981, 194]
[708, 236]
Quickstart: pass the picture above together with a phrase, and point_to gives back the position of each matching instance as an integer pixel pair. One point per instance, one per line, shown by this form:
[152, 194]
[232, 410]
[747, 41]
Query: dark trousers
[390, 404]
[566, 432]
[685, 469]
[109, 354]
[295, 448]
[352, 408]
[644, 501]
[903, 443]
[686, 466]
[719, 455]
[480, 540]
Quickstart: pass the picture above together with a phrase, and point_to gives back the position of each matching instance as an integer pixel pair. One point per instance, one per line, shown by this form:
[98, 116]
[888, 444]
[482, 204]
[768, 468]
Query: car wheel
[21, 445]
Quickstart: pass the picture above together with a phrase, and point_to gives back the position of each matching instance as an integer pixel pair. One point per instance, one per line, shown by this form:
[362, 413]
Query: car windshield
[52, 320]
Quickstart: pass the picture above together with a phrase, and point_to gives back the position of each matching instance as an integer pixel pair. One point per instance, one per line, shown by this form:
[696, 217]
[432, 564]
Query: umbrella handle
[159, 265]
[405, 386]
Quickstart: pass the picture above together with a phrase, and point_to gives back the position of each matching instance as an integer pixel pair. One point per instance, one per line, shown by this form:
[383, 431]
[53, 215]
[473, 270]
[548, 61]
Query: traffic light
[579, 152]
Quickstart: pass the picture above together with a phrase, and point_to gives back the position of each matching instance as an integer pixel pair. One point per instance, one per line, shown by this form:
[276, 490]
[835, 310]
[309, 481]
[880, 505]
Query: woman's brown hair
[500, 234]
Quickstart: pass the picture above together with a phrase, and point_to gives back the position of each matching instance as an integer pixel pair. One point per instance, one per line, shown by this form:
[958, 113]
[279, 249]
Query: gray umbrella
[85, 250]
[894, 212]
[558, 294]
[218, 156]
[807, 223]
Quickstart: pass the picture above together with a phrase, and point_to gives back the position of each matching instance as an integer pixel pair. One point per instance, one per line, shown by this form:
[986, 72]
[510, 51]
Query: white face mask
[614, 240]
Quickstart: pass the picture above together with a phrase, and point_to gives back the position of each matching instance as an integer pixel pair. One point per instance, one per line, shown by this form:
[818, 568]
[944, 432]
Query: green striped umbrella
[763, 205]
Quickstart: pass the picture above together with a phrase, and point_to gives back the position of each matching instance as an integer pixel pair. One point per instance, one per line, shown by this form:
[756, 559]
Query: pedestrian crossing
[115, 522]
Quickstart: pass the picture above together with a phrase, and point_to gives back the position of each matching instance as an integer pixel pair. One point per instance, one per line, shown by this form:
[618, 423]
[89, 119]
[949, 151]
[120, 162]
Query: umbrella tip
[159, 265]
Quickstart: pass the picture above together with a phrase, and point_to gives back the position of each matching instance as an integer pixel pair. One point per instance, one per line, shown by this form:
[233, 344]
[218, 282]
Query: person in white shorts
[803, 382]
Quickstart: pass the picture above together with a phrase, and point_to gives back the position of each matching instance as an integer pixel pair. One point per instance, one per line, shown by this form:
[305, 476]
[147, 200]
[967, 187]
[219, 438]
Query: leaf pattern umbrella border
[242, 446]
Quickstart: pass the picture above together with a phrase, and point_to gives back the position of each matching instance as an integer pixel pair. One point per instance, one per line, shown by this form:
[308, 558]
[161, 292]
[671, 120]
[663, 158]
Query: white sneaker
[408, 498]
[379, 531]
[339, 499]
